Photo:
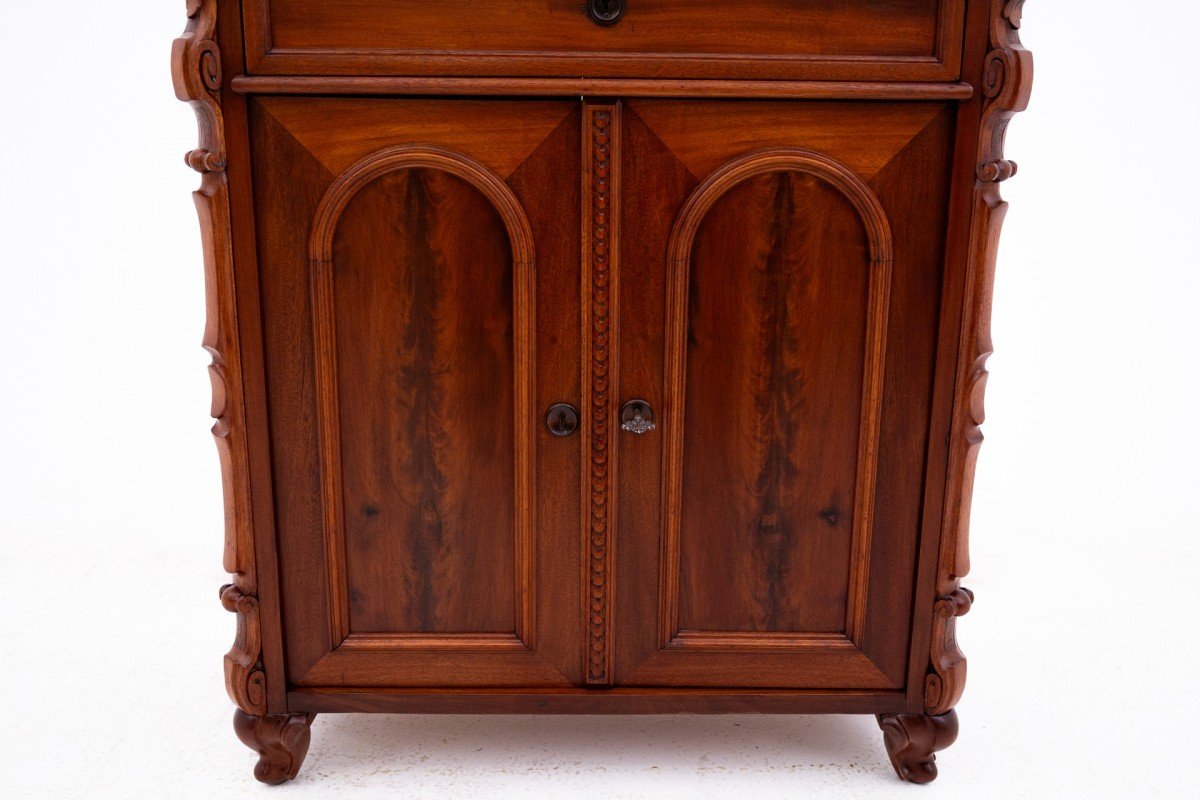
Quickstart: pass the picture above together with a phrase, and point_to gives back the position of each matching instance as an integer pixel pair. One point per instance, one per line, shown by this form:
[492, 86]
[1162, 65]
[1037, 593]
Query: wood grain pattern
[601, 288]
[647, 214]
[747, 347]
[295, 182]
[1007, 81]
[501, 138]
[415, 208]
[549, 186]
[758, 39]
[919, 208]
[196, 71]
[705, 135]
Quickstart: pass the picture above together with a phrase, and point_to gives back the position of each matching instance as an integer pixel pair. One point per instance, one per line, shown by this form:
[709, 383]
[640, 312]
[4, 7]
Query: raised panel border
[329, 211]
[879, 239]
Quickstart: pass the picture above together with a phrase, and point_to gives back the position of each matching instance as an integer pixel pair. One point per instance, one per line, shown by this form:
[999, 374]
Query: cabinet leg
[912, 739]
[281, 741]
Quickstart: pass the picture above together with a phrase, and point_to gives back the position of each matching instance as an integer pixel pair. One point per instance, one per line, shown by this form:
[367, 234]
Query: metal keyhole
[562, 419]
[605, 12]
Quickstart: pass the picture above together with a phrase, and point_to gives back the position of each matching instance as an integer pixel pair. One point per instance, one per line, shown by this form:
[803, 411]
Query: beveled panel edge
[679, 255]
[611, 87]
[471, 642]
[758, 641]
[329, 211]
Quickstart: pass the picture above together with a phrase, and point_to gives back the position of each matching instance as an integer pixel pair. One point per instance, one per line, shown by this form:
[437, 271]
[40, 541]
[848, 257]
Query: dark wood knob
[562, 419]
[605, 12]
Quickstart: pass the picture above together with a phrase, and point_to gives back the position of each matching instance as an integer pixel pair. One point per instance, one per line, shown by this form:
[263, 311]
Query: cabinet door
[780, 274]
[419, 265]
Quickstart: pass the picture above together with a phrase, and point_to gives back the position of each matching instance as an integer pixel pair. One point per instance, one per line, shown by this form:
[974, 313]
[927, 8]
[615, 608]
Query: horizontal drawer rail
[631, 87]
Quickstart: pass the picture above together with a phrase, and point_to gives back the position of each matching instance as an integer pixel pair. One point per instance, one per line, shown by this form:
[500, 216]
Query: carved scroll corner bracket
[948, 667]
[204, 161]
[244, 678]
[1006, 86]
[197, 75]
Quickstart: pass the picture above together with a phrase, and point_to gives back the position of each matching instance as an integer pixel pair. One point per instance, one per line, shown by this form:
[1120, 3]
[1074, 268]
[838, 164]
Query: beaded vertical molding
[196, 71]
[601, 162]
[1007, 81]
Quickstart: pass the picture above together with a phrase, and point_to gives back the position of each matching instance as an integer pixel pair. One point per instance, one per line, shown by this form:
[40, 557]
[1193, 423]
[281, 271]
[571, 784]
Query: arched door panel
[409, 324]
[800, 267]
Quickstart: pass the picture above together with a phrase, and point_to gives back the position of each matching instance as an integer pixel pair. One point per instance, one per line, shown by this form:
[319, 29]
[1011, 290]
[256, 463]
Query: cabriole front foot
[281, 741]
[912, 739]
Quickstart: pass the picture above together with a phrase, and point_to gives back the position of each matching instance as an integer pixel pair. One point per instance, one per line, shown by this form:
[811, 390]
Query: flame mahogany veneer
[599, 357]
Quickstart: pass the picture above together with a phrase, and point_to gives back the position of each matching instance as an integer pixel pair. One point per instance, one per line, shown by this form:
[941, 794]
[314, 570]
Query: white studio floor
[1071, 695]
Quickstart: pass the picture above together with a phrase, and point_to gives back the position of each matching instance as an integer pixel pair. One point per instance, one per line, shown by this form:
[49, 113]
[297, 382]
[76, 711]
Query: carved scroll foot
[281, 741]
[912, 739]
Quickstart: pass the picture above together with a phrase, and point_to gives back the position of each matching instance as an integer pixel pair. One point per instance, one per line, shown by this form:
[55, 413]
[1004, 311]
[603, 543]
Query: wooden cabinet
[652, 391]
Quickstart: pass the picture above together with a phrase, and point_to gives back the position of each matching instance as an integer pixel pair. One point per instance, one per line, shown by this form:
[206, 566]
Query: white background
[1083, 640]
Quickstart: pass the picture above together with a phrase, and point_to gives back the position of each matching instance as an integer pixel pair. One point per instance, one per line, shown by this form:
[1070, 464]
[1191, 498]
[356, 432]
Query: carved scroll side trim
[679, 254]
[196, 72]
[600, 291]
[320, 250]
[1007, 83]
[1006, 86]
[244, 678]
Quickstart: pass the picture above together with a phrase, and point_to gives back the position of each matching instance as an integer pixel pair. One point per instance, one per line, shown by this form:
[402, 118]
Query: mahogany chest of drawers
[599, 356]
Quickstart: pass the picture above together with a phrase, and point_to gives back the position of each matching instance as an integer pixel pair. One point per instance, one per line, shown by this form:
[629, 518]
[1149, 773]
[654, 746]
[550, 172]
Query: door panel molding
[324, 324]
[879, 241]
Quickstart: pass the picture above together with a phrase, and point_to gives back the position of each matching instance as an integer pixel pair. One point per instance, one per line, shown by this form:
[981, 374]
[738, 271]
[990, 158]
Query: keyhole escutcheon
[605, 12]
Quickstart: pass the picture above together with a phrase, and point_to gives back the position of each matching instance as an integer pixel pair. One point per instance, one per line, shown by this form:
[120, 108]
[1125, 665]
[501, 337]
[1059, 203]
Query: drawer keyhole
[605, 12]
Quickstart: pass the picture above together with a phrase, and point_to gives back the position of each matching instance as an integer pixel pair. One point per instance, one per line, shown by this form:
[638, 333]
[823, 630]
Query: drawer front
[781, 39]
